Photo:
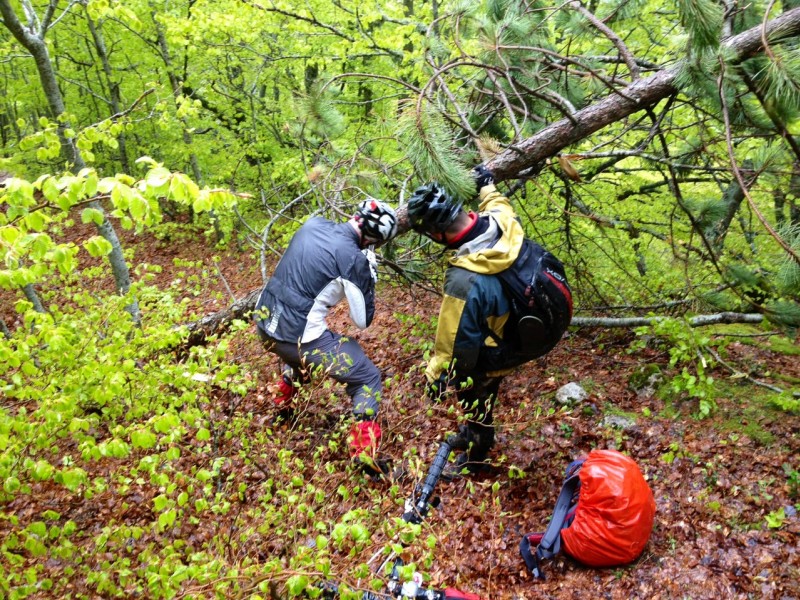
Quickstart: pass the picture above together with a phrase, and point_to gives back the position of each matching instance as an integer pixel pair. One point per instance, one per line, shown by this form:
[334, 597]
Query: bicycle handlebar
[417, 509]
[410, 590]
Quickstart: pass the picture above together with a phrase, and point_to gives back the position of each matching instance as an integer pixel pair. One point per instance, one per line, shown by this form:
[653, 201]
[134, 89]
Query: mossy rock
[645, 379]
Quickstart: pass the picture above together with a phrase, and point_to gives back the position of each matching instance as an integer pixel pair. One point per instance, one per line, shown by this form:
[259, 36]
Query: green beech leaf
[359, 532]
[296, 584]
[91, 215]
[158, 177]
[143, 438]
[98, 246]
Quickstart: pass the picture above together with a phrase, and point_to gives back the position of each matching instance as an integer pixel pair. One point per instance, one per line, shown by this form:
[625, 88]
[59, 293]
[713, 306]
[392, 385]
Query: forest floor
[727, 487]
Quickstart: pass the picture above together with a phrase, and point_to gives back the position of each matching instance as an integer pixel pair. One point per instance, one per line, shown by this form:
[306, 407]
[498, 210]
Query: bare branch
[613, 37]
[738, 174]
[698, 321]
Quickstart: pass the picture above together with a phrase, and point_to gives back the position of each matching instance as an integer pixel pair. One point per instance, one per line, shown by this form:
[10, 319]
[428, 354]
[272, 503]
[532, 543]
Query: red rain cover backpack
[603, 515]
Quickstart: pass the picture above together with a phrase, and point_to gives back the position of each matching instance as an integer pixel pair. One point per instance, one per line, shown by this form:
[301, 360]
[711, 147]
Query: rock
[571, 394]
[618, 422]
[645, 380]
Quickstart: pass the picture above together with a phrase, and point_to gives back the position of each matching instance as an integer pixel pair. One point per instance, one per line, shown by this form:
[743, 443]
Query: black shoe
[376, 470]
[460, 440]
[474, 438]
[284, 415]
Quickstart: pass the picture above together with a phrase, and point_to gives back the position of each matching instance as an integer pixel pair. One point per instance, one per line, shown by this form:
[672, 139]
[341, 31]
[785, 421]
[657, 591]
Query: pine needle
[488, 147]
[703, 22]
[322, 117]
[787, 278]
[781, 83]
[430, 147]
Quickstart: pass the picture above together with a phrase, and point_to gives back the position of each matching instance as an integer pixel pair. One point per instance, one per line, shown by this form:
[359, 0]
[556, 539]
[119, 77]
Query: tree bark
[219, 322]
[113, 86]
[697, 321]
[732, 199]
[33, 298]
[177, 90]
[779, 197]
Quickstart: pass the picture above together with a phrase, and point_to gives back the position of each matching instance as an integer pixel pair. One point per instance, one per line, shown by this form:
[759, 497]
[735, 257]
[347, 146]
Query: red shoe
[364, 438]
[285, 391]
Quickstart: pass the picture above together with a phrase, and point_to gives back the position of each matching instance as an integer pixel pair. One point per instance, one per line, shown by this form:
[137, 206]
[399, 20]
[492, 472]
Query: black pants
[341, 358]
[479, 398]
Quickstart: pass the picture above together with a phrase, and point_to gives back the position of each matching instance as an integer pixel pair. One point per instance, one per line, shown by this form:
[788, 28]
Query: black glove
[483, 176]
[437, 388]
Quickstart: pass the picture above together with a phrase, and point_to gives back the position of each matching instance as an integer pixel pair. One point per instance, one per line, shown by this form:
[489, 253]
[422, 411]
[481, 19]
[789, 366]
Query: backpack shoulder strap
[549, 543]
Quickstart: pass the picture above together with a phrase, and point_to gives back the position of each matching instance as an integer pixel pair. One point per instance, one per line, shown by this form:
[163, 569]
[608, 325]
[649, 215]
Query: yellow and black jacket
[475, 309]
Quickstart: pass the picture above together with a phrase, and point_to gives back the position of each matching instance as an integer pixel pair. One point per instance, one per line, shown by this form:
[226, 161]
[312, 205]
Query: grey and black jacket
[322, 265]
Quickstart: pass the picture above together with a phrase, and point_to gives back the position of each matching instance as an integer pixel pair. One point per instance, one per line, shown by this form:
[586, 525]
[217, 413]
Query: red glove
[364, 437]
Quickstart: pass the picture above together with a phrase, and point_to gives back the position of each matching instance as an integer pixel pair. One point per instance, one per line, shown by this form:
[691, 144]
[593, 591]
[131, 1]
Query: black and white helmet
[431, 209]
[376, 219]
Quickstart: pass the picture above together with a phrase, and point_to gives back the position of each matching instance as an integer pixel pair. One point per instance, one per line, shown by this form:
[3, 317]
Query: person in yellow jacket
[477, 339]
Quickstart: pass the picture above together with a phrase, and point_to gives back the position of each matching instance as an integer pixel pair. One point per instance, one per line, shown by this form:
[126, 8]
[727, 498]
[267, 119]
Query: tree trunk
[187, 137]
[218, 322]
[698, 321]
[637, 96]
[779, 198]
[38, 49]
[33, 298]
[732, 199]
[113, 86]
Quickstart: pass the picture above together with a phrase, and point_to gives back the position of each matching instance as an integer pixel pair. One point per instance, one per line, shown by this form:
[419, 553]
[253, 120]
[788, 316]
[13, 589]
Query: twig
[225, 282]
[737, 172]
[737, 373]
[750, 335]
[613, 38]
[4, 329]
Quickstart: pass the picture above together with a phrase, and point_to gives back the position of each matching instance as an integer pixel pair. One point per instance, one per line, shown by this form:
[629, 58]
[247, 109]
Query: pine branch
[639, 95]
[703, 20]
[626, 54]
[430, 147]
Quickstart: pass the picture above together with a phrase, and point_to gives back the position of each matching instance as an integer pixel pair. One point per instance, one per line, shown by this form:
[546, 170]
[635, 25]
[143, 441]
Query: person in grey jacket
[325, 263]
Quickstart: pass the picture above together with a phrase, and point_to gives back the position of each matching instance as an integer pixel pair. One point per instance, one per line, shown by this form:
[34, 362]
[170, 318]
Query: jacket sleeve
[449, 316]
[359, 289]
[459, 334]
[494, 202]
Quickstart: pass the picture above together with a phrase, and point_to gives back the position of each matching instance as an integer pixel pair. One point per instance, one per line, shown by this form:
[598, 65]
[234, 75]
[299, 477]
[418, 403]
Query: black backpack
[540, 297]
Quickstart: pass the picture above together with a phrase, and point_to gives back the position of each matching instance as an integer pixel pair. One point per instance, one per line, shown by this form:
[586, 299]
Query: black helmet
[376, 219]
[431, 209]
